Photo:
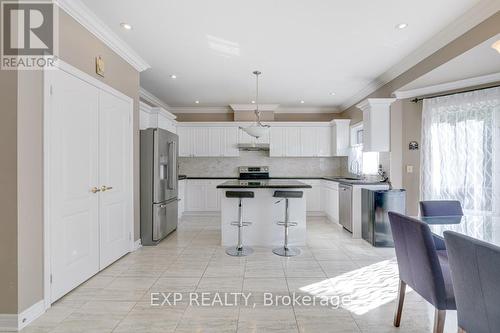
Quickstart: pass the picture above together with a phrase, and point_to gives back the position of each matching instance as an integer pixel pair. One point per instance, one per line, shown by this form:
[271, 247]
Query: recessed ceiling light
[197, 102]
[401, 26]
[302, 102]
[126, 26]
[173, 76]
[496, 45]
[333, 94]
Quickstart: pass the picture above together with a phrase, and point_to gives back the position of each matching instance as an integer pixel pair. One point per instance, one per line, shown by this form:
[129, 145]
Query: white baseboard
[8, 323]
[201, 214]
[16, 322]
[316, 214]
[137, 245]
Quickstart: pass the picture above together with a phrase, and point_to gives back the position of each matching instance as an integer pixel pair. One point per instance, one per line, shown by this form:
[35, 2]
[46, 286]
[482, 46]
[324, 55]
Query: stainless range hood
[253, 147]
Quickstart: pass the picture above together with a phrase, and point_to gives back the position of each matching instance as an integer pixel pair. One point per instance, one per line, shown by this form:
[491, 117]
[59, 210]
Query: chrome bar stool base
[243, 252]
[287, 252]
[239, 250]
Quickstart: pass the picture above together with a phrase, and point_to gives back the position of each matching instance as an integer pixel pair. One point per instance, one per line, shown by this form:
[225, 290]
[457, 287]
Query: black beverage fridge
[375, 204]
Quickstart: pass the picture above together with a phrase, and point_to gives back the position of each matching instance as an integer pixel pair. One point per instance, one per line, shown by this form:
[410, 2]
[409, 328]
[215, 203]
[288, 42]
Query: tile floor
[191, 260]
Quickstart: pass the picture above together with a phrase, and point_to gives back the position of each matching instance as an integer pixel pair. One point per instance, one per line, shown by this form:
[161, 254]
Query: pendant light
[259, 129]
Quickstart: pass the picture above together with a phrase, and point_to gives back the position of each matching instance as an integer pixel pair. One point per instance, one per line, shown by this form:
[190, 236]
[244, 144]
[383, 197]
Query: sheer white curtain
[460, 141]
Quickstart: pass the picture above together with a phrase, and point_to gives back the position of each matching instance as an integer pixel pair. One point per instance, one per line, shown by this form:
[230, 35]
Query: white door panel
[73, 172]
[115, 134]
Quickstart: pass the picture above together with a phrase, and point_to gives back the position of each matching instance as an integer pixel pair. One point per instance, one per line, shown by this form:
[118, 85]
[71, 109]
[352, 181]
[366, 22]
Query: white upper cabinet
[230, 142]
[208, 141]
[376, 124]
[340, 137]
[185, 141]
[277, 145]
[155, 117]
[285, 139]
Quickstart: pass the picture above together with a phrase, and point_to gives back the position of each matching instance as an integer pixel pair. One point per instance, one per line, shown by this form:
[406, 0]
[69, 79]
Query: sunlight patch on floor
[368, 287]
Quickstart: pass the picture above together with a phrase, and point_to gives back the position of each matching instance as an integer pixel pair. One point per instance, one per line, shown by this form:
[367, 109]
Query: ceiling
[306, 49]
[465, 66]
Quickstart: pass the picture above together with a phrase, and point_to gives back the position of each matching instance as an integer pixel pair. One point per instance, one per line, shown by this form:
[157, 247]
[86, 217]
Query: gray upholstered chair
[441, 208]
[421, 267]
[475, 270]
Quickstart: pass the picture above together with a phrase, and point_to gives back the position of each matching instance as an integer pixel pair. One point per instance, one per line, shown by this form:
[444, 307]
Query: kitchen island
[263, 211]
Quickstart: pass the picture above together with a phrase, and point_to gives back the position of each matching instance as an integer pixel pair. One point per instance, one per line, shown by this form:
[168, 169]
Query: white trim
[8, 323]
[83, 15]
[449, 86]
[47, 82]
[460, 26]
[207, 109]
[137, 245]
[150, 98]
[311, 109]
[252, 107]
[153, 111]
[16, 322]
[248, 123]
[369, 103]
[31, 314]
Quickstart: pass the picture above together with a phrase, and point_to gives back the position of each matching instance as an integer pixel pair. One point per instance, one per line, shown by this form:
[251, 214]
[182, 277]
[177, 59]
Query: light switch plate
[409, 169]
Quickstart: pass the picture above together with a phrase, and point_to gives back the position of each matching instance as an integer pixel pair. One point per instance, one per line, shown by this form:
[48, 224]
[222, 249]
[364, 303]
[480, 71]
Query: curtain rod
[418, 99]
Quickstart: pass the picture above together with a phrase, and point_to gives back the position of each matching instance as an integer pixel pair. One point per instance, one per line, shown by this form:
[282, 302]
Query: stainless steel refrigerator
[159, 184]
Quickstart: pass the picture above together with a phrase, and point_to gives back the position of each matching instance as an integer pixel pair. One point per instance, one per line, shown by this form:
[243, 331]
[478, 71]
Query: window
[459, 142]
[360, 162]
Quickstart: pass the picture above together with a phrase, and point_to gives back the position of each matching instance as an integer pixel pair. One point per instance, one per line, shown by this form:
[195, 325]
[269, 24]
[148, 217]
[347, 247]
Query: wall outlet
[409, 169]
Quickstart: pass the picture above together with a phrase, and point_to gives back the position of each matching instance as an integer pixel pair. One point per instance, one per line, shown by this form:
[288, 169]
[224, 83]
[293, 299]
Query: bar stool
[239, 250]
[286, 251]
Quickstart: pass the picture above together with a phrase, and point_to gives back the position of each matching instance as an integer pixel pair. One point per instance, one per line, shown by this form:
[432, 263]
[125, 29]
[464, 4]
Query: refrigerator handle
[171, 169]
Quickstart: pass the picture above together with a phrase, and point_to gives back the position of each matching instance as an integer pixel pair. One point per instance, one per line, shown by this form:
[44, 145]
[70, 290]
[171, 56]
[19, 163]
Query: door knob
[95, 190]
[105, 188]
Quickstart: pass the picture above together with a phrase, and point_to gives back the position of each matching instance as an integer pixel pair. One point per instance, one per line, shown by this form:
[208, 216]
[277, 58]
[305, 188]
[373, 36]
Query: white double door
[89, 179]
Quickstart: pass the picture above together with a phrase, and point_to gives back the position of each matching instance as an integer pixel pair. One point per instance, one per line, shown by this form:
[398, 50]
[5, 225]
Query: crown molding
[83, 15]
[448, 86]
[375, 103]
[150, 98]
[201, 109]
[154, 110]
[251, 107]
[460, 26]
[298, 109]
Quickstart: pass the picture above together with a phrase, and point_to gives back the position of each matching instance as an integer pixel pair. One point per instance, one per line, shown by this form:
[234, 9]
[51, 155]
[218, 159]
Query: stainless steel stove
[253, 172]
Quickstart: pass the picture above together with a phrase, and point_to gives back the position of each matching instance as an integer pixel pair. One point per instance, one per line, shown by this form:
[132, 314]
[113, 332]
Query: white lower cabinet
[181, 196]
[330, 199]
[313, 196]
[202, 195]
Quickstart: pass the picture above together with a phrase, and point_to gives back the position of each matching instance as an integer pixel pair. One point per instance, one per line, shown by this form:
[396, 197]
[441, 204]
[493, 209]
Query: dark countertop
[182, 177]
[271, 183]
[333, 179]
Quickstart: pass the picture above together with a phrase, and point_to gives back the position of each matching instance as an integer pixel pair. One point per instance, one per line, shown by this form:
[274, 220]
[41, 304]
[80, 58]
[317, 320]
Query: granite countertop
[338, 179]
[271, 183]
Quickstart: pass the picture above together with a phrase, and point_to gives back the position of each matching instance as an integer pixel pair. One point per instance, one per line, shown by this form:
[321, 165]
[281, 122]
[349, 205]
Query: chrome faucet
[355, 168]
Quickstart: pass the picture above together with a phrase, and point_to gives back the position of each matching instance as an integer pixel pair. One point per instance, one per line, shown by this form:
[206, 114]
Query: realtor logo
[28, 34]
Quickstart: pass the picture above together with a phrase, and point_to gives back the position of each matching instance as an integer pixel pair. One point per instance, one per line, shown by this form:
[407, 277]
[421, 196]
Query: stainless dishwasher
[345, 206]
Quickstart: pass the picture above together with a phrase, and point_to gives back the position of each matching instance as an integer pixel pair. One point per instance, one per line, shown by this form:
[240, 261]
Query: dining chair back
[441, 208]
[475, 271]
[420, 267]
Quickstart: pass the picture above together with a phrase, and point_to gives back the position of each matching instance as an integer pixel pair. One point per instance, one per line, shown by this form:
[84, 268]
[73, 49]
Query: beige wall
[193, 117]
[8, 194]
[305, 116]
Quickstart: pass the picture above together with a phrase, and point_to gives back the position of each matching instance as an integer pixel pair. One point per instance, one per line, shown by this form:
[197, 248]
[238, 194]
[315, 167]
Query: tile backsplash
[279, 166]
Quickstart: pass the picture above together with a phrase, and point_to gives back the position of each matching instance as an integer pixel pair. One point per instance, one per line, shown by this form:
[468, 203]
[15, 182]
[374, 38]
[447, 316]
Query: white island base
[263, 212]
